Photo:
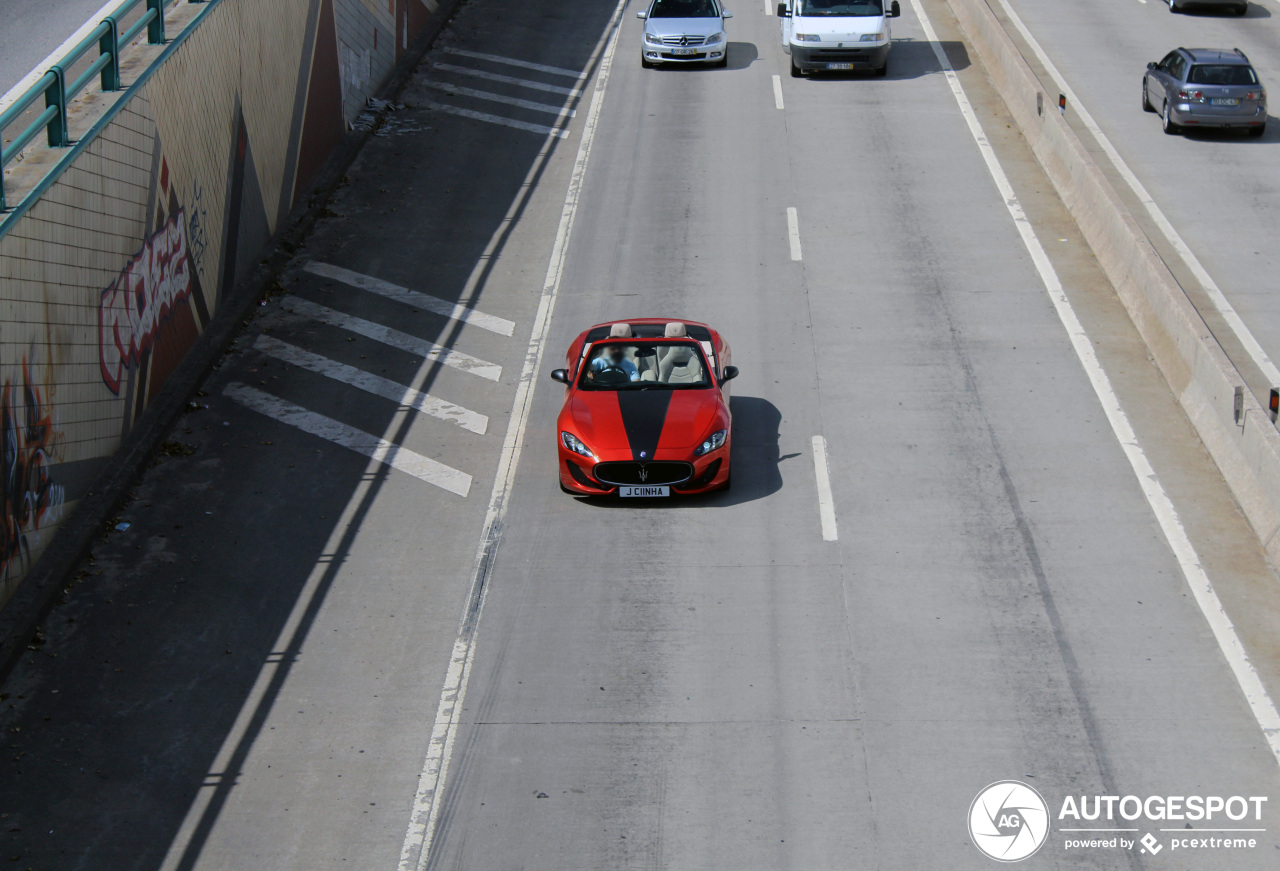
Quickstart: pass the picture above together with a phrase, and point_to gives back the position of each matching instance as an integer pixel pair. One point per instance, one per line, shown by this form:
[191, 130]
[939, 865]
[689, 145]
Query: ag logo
[1008, 821]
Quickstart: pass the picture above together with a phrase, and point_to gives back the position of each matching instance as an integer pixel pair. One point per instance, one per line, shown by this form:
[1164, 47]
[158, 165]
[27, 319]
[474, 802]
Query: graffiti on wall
[142, 299]
[29, 445]
[196, 227]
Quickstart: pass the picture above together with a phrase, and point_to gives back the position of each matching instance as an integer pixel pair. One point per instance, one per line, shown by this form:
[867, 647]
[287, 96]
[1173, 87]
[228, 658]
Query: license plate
[1224, 101]
[679, 51]
[642, 492]
[839, 66]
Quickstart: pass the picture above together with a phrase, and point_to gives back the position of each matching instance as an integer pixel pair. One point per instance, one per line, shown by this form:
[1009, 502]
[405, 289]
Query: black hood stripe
[644, 412]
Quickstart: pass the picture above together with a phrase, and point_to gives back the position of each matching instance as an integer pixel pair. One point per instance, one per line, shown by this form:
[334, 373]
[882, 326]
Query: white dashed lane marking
[372, 446]
[417, 299]
[395, 338]
[406, 397]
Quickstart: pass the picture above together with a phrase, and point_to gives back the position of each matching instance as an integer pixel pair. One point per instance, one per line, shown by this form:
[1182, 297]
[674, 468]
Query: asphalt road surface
[30, 31]
[265, 668]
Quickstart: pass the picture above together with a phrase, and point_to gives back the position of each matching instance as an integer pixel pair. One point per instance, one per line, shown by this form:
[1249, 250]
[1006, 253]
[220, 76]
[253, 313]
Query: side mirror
[1152, 65]
[895, 10]
[561, 375]
[730, 373]
[783, 12]
[642, 15]
[725, 13]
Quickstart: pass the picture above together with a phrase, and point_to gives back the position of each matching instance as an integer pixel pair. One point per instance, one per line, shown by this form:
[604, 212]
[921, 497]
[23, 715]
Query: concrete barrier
[1193, 363]
[124, 247]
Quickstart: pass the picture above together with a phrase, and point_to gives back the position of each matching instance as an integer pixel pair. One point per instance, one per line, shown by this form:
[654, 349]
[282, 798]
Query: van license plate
[683, 51]
[1224, 101]
[644, 491]
[839, 66]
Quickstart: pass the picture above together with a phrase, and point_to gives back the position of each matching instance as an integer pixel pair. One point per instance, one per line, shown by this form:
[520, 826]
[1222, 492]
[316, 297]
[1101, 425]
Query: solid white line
[459, 91]
[826, 502]
[1242, 332]
[509, 80]
[395, 338]
[407, 397]
[435, 769]
[512, 62]
[498, 119]
[492, 323]
[793, 232]
[373, 447]
[777, 92]
[1260, 703]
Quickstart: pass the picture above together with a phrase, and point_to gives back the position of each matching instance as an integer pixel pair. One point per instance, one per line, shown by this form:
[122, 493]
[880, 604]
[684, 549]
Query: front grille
[840, 55]
[629, 474]
[683, 41]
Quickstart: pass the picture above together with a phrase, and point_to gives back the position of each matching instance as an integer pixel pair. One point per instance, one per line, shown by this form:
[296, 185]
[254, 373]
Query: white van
[837, 34]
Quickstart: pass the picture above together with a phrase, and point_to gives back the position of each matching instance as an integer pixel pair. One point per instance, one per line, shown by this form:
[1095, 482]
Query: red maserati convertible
[646, 410]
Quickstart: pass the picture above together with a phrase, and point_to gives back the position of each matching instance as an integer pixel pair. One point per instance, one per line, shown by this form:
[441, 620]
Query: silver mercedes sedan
[684, 31]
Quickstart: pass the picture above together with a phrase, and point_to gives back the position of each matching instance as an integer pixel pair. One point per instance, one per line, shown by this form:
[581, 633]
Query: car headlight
[653, 39]
[715, 39]
[715, 440]
[872, 37]
[575, 444]
[808, 37]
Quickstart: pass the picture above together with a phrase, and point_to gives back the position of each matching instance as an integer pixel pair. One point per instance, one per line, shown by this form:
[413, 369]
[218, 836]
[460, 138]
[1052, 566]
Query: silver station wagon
[1205, 87]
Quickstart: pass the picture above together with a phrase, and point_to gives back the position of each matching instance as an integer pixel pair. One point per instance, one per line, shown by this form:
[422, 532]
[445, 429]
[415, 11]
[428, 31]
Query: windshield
[861, 8]
[684, 9]
[644, 365]
[1222, 74]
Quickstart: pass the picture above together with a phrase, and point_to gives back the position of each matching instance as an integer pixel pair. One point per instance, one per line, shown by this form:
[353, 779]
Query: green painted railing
[57, 93]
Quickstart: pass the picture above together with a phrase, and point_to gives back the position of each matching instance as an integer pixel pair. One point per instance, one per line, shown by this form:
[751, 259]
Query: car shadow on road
[1256, 10]
[1234, 134]
[757, 461]
[909, 59]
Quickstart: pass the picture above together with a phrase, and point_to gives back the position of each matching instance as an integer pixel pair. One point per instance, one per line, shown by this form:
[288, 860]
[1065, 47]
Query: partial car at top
[1205, 87]
[684, 31]
[646, 410]
[1239, 7]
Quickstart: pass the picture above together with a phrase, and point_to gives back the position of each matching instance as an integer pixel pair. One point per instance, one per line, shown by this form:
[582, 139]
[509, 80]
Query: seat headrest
[676, 331]
[620, 331]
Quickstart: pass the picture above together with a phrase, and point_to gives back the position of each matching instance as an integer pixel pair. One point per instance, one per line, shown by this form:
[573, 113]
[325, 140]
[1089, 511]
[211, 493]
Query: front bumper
[1204, 115]
[818, 57]
[703, 54]
[710, 472]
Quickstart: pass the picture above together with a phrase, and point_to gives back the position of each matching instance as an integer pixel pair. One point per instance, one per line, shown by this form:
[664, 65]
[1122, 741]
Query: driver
[614, 358]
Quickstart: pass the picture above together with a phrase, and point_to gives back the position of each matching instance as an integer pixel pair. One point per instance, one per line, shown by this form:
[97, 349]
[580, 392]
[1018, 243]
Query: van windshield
[859, 8]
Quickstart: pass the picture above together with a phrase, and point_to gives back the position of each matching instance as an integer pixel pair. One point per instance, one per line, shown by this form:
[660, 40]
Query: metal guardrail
[57, 93]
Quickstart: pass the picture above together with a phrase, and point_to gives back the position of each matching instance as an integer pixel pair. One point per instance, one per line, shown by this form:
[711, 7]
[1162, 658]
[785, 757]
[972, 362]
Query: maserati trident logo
[1008, 821]
[644, 474]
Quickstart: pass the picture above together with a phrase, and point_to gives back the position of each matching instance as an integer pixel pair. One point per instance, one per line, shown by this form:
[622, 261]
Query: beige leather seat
[680, 365]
